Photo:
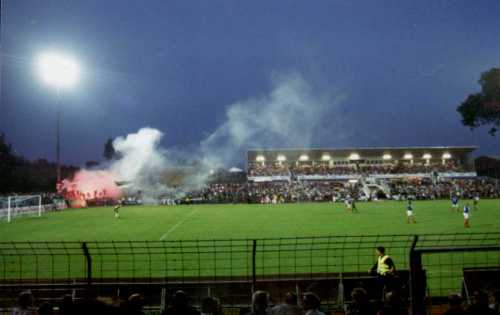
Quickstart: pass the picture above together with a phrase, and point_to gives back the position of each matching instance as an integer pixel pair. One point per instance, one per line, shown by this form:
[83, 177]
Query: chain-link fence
[331, 265]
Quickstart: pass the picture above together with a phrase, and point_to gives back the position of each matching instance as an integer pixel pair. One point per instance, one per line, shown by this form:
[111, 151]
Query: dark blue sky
[402, 66]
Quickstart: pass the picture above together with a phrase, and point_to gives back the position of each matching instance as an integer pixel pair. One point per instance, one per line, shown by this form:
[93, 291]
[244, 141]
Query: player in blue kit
[409, 213]
[466, 215]
[454, 203]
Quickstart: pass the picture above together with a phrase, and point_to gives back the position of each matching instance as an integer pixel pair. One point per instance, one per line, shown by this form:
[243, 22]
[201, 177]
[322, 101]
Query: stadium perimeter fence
[435, 264]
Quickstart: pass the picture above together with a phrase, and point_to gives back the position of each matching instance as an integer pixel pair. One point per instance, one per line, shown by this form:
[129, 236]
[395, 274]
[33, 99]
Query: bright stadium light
[260, 158]
[281, 158]
[354, 157]
[386, 157]
[427, 156]
[446, 156]
[58, 70]
[326, 157]
[303, 158]
[408, 156]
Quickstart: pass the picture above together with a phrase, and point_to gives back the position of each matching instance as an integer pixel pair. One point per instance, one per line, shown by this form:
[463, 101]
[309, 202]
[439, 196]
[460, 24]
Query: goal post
[20, 205]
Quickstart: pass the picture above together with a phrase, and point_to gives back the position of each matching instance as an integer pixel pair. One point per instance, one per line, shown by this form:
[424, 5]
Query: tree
[109, 150]
[483, 108]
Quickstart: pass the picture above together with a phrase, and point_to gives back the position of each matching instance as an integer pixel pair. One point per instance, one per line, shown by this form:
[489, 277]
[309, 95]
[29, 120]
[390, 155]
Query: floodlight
[446, 156]
[427, 156]
[281, 158]
[354, 156]
[408, 156]
[303, 157]
[260, 158]
[58, 70]
[386, 157]
[326, 157]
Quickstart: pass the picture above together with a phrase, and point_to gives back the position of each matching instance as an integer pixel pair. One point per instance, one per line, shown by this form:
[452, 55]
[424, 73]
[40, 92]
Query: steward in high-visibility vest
[384, 266]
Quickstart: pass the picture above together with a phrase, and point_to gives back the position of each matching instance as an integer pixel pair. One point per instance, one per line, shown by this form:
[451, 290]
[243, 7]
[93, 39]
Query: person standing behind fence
[25, 304]
[384, 269]
[180, 305]
[311, 303]
[260, 302]
[290, 307]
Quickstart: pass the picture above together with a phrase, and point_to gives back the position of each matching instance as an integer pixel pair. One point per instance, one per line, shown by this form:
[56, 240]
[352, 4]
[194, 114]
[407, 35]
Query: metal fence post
[254, 256]
[88, 259]
[417, 281]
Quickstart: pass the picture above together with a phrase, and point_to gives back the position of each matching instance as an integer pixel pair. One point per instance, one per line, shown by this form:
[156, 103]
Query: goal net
[15, 206]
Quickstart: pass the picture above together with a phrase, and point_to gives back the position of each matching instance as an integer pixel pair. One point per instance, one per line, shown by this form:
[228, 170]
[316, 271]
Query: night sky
[402, 67]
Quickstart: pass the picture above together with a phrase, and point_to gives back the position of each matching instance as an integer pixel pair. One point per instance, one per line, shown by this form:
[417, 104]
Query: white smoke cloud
[293, 114]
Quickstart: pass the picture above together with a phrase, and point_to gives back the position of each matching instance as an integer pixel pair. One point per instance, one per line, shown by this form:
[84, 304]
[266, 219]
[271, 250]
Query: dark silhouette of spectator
[494, 300]
[134, 305]
[455, 305]
[311, 304]
[210, 306]
[45, 309]
[479, 305]
[25, 304]
[66, 307]
[290, 307]
[360, 303]
[393, 305]
[180, 305]
[260, 302]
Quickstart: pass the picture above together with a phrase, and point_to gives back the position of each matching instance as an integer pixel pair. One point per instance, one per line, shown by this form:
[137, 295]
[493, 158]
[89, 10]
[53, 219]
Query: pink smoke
[90, 186]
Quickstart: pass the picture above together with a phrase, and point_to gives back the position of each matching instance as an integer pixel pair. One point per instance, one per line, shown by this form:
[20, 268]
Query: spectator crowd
[324, 168]
[482, 303]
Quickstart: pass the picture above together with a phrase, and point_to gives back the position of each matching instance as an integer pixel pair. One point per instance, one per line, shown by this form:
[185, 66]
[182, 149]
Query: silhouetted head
[310, 301]
[359, 295]
[180, 299]
[260, 301]
[25, 299]
[454, 300]
[380, 250]
[291, 298]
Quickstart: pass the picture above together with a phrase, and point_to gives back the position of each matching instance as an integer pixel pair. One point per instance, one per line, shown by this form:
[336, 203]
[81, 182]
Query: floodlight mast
[59, 71]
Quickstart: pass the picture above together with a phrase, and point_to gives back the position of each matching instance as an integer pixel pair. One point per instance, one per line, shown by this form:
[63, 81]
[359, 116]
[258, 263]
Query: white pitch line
[175, 226]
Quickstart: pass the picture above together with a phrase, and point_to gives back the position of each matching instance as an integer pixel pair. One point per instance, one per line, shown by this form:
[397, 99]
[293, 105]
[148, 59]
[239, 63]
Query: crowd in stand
[323, 168]
[273, 192]
[425, 188]
[483, 303]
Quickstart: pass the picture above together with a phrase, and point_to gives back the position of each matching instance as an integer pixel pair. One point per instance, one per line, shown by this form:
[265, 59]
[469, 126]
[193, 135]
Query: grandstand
[349, 163]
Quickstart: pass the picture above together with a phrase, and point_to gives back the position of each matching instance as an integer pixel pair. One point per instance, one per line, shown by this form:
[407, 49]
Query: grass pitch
[247, 221]
[230, 223]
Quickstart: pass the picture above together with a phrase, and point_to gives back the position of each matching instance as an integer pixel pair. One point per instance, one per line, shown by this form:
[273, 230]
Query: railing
[203, 260]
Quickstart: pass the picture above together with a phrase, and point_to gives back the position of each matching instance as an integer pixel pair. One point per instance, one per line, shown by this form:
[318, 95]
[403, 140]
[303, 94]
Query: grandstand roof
[371, 152]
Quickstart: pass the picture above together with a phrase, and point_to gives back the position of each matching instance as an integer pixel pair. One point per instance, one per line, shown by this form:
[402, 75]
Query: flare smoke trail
[291, 115]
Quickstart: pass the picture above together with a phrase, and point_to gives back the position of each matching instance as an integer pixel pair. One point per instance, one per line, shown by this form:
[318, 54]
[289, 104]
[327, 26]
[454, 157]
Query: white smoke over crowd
[292, 114]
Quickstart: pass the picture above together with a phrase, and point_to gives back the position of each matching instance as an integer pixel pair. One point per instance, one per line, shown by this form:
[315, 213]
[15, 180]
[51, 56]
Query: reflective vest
[382, 267]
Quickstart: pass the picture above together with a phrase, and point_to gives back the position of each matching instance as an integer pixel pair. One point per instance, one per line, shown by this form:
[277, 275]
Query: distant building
[488, 166]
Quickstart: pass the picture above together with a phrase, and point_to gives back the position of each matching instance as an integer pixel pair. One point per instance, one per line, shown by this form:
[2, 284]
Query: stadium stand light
[62, 72]
[281, 158]
[386, 157]
[260, 158]
[408, 156]
[354, 157]
[446, 156]
[303, 158]
[326, 157]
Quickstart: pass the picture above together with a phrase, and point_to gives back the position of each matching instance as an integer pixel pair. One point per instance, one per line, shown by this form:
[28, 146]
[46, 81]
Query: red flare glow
[90, 187]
